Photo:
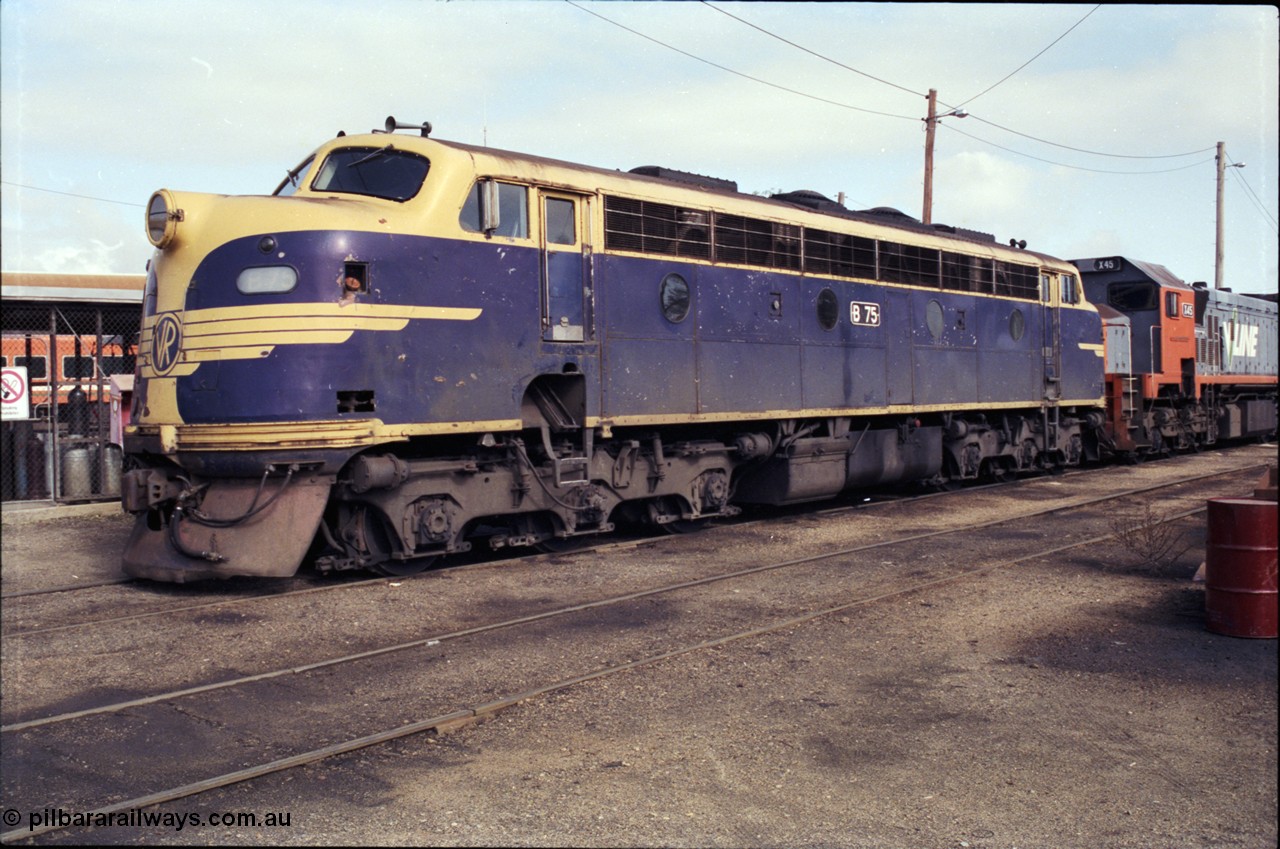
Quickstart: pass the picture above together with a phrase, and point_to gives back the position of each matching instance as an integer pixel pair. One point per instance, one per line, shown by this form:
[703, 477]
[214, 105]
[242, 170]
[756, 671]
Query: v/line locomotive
[1186, 365]
[414, 346]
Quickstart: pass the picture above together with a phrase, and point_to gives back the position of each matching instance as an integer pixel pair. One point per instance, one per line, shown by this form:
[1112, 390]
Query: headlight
[265, 279]
[162, 218]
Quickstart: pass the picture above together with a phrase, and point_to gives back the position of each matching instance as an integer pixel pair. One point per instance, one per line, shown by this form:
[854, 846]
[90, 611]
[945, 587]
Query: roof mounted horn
[392, 125]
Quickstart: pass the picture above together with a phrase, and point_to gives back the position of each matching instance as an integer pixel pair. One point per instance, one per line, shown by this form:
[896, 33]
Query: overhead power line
[71, 194]
[1252, 195]
[1092, 152]
[1033, 58]
[738, 73]
[811, 52]
[910, 91]
[953, 129]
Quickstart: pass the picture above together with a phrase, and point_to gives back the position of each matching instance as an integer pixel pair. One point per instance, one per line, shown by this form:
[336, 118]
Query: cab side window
[496, 209]
[1069, 288]
[560, 222]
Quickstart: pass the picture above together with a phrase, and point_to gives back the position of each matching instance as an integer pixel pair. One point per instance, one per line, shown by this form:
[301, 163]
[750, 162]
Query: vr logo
[166, 342]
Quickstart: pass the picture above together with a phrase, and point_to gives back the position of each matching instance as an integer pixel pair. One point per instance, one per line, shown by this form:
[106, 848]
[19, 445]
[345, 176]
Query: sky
[1090, 130]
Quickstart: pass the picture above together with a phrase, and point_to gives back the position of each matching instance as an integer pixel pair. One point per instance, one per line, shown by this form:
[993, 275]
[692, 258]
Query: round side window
[1017, 325]
[675, 298]
[933, 318]
[828, 309]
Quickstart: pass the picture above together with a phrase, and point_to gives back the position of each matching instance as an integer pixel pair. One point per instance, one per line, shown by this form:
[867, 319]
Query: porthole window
[675, 298]
[1017, 325]
[933, 318]
[828, 309]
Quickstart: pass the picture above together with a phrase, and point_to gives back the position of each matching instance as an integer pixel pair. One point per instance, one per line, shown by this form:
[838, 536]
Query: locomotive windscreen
[377, 171]
[1131, 297]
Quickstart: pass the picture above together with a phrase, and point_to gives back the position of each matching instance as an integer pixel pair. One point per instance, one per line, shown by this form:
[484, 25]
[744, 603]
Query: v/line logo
[1244, 340]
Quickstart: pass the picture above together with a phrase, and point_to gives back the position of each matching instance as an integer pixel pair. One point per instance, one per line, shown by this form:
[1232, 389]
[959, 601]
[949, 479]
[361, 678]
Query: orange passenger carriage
[70, 342]
[76, 360]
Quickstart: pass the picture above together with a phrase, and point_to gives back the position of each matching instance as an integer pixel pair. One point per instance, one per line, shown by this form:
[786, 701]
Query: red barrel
[1240, 568]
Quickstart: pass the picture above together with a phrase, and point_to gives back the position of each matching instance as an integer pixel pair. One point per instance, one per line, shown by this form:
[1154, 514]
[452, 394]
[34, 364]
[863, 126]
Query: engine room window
[512, 210]
[839, 253]
[909, 264]
[1019, 281]
[963, 273]
[649, 227]
[382, 172]
[752, 241]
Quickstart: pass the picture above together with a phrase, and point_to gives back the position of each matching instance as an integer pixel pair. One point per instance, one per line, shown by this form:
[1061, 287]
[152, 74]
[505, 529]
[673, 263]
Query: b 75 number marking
[864, 314]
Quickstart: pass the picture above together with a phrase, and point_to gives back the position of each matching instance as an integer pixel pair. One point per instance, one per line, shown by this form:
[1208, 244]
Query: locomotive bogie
[512, 495]
[994, 447]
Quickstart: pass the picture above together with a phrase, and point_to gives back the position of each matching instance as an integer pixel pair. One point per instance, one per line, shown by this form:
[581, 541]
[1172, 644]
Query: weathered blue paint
[751, 342]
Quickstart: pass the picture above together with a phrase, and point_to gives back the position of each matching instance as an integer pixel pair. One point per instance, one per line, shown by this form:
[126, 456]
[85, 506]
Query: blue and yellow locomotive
[415, 345]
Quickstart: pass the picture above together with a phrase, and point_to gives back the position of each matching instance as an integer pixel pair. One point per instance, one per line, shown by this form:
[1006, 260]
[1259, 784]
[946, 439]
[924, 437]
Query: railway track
[247, 591]
[235, 588]
[24, 618]
[447, 677]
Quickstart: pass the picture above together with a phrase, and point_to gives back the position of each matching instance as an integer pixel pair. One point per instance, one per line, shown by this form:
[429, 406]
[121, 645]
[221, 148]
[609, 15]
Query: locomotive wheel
[378, 544]
[662, 507]
[683, 526]
[686, 526]
[553, 544]
[403, 568]
[559, 545]
[997, 472]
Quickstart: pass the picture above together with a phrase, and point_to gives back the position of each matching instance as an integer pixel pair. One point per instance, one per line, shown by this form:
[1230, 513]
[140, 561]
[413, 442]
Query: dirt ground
[1072, 702]
[1077, 703]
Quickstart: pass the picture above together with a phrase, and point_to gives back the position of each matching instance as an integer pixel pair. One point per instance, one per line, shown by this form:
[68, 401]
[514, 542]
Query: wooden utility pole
[930, 126]
[1217, 253]
[1218, 247]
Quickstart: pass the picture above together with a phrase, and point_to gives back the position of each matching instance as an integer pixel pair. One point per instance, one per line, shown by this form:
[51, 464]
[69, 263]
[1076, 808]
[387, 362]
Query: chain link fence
[78, 361]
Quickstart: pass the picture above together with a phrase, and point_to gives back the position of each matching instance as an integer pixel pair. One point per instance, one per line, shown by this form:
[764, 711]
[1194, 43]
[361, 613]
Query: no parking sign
[16, 394]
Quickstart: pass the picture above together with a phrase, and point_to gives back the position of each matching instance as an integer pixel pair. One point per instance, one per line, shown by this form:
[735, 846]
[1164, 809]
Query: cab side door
[566, 266]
